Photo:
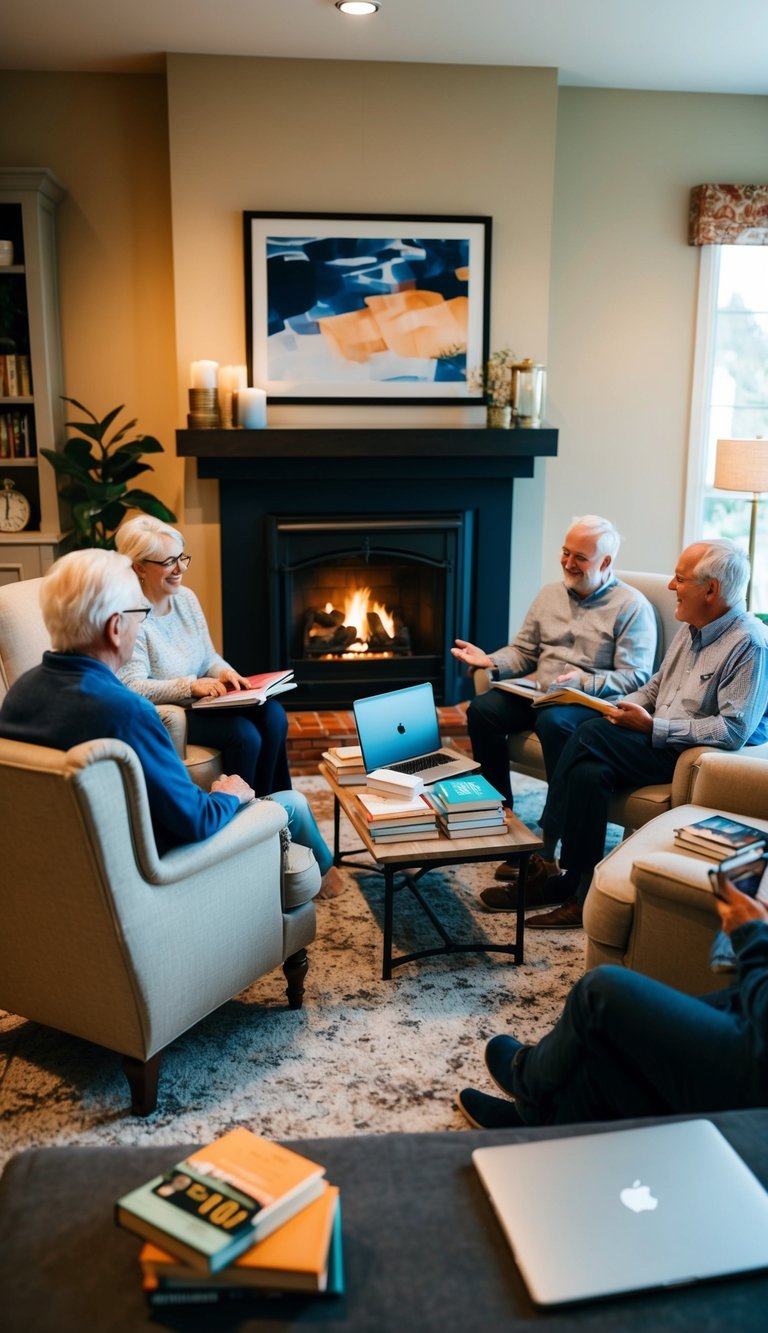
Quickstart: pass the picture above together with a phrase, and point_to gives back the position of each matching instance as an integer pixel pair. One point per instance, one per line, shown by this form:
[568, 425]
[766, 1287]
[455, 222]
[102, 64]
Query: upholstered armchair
[650, 907]
[24, 639]
[104, 939]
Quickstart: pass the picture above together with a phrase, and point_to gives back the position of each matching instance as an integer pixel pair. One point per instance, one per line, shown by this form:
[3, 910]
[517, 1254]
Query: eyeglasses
[171, 562]
[142, 611]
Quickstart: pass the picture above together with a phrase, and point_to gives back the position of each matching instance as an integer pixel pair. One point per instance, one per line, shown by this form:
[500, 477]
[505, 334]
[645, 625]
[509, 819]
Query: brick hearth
[312, 732]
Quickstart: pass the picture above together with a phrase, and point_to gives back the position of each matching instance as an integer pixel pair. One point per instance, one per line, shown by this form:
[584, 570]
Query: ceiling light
[357, 7]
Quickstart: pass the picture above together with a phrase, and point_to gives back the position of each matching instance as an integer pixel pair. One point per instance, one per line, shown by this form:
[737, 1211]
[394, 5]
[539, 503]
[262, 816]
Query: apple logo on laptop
[639, 1198]
[401, 728]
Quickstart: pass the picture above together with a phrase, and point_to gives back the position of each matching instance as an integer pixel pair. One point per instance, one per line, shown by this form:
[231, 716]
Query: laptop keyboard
[424, 761]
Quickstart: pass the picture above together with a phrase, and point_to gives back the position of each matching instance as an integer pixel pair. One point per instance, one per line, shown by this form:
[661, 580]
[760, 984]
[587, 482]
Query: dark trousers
[597, 760]
[628, 1046]
[251, 740]
[495, 715]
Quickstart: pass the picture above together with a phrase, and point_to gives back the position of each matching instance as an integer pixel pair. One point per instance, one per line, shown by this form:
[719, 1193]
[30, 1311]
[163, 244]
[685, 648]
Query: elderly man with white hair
[589, 630]
[92, 605]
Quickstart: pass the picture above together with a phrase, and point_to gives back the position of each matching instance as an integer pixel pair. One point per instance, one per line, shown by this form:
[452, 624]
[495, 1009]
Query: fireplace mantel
[341, 473]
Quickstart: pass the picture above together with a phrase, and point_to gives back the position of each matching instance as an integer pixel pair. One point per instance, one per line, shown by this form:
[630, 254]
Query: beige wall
[623, 291]
[158, 188]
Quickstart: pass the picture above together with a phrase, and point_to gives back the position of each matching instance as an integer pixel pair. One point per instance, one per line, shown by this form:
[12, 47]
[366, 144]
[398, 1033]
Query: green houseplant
[95, 472]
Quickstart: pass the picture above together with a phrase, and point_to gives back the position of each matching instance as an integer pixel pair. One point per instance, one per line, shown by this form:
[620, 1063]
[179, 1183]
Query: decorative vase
[499, 417]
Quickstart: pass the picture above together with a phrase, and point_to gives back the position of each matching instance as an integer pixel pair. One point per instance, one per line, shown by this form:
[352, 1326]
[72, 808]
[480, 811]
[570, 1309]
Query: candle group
[230, 384]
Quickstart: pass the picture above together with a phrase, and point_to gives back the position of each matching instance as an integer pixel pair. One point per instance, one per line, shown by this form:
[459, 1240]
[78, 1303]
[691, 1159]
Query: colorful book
[471, 792]
[720, 831]
[380, 809]
[477, 831]
[294, 1258]
[409, 835]
[221, 1199]
[231, 1287]
[261, 688]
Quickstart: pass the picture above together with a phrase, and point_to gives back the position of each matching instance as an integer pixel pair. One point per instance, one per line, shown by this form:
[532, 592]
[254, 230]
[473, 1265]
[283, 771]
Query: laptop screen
[397, 726]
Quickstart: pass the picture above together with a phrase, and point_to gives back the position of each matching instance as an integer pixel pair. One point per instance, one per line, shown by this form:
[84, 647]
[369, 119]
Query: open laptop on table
[599, 1215]
[400, 730]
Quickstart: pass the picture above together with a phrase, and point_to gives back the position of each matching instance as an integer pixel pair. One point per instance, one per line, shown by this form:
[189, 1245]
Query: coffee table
[404, 863]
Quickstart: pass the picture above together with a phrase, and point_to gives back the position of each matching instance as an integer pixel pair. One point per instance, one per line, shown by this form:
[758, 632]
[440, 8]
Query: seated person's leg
[492, 717]
[271, 772]
[303, 829]
[554, 726]
[228, 730]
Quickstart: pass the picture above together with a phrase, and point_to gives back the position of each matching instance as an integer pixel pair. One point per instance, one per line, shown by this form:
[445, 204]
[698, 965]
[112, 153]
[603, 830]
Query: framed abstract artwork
[377, 309]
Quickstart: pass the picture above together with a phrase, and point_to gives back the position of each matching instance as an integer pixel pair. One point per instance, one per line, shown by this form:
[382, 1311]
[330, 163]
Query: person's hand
[233, 679]
[631, 716]
[233, 785]
[207, 688]
[736, 908]
[572, 677]
[472, 655]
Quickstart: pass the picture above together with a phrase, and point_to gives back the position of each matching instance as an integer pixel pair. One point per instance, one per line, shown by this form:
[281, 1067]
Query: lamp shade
[742, 465]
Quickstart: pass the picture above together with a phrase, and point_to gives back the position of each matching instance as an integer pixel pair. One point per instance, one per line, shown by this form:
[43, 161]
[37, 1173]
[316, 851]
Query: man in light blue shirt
[711, 689]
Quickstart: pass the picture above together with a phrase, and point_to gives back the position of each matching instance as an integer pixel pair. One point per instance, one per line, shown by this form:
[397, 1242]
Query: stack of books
[467, 807]
[240, 1219]
[391, 819]
[719, 838]
[393, 783]
[346, 765]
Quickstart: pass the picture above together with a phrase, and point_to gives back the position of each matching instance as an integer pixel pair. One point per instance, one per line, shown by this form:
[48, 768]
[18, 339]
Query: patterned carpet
[362, 1056]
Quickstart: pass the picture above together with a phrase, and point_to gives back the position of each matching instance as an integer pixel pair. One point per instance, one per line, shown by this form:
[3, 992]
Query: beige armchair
[651, 908]
[24, 639]
[104, 939]
[632, 807]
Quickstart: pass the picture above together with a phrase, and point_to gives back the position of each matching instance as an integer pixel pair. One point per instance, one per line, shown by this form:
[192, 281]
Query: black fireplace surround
[422, 516]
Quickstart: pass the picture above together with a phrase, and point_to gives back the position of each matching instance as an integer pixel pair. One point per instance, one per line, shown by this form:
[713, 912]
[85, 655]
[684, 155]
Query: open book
[262, 687]
[565, 694]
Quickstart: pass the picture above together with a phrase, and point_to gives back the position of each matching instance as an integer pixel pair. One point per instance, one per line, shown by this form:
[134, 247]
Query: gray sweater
[171, 652]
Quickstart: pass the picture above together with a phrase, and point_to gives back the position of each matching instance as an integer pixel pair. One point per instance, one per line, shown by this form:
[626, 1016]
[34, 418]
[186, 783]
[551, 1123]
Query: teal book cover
[469, 792]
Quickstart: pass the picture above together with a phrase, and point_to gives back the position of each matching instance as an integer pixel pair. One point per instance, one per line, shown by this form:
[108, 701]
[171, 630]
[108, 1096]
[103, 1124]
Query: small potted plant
[96, 481]
[494, 381]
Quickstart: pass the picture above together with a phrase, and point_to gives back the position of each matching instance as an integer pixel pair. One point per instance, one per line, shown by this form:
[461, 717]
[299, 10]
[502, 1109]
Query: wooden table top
[516, 837]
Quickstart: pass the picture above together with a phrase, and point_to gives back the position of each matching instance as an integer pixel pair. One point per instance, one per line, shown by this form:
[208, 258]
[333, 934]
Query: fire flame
[356, 608]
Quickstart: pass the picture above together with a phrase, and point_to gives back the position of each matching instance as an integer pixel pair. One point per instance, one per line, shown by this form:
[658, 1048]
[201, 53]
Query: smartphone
[746, 876]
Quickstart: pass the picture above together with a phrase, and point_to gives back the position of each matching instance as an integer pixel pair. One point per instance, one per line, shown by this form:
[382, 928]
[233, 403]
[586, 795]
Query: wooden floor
[309, 733]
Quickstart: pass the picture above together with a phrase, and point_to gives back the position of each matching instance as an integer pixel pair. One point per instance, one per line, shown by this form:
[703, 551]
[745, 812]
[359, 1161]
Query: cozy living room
[578, 199]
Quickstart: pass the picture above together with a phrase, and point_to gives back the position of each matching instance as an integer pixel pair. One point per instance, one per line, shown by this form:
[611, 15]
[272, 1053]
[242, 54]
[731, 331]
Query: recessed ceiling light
[357, 7]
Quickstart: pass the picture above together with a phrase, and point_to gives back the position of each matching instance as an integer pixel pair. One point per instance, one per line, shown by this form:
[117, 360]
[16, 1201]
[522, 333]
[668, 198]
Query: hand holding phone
[746, 876]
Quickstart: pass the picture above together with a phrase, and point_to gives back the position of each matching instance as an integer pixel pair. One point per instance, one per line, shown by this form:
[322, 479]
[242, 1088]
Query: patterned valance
[729, 215]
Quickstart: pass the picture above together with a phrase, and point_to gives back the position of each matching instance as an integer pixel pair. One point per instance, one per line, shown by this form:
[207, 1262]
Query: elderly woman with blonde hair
[174, 660]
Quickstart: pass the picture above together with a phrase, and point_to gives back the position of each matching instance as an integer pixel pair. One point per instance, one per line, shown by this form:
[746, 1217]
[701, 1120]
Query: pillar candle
[202, 374]
[252, 408]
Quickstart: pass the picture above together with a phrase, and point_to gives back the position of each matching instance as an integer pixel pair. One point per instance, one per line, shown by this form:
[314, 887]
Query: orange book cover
[263, 1170]
[294, 1257]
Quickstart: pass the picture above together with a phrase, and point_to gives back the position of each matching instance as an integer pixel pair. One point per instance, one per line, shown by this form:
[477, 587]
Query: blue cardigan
[70, 699]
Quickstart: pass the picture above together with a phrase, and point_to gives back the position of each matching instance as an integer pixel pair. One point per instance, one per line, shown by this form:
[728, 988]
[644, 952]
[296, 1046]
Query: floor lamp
[742, 465]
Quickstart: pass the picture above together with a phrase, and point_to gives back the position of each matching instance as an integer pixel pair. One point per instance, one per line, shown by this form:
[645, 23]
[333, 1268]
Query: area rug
[362, 1056]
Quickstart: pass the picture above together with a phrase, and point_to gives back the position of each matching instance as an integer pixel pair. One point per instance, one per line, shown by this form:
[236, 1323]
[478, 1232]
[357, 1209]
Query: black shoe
[484, 1112]
[500, 1054]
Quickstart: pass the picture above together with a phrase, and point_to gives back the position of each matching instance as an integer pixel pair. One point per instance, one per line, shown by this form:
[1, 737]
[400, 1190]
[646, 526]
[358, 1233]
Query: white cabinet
[31, 410]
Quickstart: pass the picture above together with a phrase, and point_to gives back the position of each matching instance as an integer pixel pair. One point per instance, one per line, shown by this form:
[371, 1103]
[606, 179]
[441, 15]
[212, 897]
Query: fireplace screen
[367, 604]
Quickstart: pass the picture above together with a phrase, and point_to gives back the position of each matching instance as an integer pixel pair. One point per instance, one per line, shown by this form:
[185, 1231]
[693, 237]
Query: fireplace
[421, 516]
[369, 602]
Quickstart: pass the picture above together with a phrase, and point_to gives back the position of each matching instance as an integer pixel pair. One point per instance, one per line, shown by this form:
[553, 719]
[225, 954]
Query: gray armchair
[24, 639]
[104, 939]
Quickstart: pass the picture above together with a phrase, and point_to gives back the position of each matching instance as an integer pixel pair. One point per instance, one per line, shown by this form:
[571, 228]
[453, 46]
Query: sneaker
[538, 869]
[543, 892]
[500, 1055]
[566, 917]
[484, 1112]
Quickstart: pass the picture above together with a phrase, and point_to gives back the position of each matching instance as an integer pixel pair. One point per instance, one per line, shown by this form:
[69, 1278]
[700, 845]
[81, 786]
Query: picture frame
[346, 308]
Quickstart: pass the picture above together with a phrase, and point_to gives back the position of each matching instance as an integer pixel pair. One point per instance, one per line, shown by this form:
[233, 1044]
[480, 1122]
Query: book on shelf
[302, 1255]
[214, 1205]
[557, 694]
[472, 792]
[392, 782]
[721, 832]
[261, 687]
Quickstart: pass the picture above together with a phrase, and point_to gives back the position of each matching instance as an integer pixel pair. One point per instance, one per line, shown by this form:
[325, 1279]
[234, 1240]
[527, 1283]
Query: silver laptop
[601, 1214]
[400, 730]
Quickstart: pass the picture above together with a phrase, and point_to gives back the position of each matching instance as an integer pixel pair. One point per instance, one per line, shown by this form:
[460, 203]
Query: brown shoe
[566, 917]
[543, 893]
[539, 870]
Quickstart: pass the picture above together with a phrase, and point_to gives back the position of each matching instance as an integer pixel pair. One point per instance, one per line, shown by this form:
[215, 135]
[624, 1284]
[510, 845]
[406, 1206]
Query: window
[730, 394]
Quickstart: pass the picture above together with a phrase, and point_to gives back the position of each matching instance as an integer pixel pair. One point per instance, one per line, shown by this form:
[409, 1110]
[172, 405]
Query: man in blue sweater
[92, 605]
